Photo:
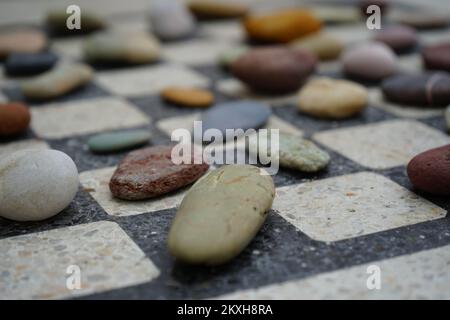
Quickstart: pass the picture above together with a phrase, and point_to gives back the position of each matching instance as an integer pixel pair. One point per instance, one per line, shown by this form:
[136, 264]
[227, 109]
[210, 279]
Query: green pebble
[117, 141]
[447, 117]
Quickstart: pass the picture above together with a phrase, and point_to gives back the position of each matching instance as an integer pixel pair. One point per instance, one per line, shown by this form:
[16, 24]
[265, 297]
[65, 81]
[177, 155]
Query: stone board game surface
[324, 229]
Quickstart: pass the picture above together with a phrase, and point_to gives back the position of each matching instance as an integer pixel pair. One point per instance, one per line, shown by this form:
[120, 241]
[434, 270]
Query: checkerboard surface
[322, 233]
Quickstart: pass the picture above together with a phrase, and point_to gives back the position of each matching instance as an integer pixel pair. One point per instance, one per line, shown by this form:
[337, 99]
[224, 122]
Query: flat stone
[430, 89]
[117, 141]
[430, 171]
[398, 37]
[118, 47]
[281, 26]
[437, 57]
[236, 115]
[323, 45]
[370, 61]
[228, 207]
[218, 9]
[56, 21]
[228, 57]
[36, 184]
[26, 64]
[22, 41]
[59, 81]
[331, 98]
[150, 172]
[189, 97]
[14, 118]
[274, 69]
[171, 19]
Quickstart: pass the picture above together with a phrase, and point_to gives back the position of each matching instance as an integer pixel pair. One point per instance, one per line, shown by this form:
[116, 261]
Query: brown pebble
[189, 97]
[22, 41]
[14, 118]
[437, 57]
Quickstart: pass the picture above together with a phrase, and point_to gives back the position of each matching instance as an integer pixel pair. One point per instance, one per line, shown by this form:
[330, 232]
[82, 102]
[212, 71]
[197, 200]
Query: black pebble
[27, 64]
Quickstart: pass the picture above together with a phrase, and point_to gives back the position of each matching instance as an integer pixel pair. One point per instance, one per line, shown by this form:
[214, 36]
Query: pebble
[217, 9]
[36, 184]
[430, 89]
[331, 98]
[274, 69]
[14, 118]
[171, 19]
[430, 171]
[399, 38]
[228, 57]
[26, 64]
[56, 21]
[115, 47]
[62, 79]
[369, 61]
[22, 41]
[297, 153]
[226, 208]
[437, 57]
[281, 26]
[323, 45]
[423, 19]
[236, 115]
[150, 172]
[117, 141]
[189, 97]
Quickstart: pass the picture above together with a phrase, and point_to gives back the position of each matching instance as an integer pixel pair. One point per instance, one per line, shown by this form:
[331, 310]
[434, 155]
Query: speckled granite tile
[350, 33]
[149, 80]
[423, 275]
[8, 148]
[34, 266]
[223, 30]
[70, 48]
[416, 112]
[384, 144]
[352, 205]
[59, 120]
[410, 64]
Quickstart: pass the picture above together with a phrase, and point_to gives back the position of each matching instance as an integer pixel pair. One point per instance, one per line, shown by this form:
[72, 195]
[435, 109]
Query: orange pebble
[14, 118]
[190, 97]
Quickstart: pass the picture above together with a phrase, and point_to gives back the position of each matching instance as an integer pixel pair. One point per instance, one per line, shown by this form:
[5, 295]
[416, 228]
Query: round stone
[217, 9]
[281, 26]
[235, 115]
[399, 38]
[274, 69]
[151, 172]
[26, 64]
[56, 21]
[189, 97]
[117, 141]
[430, 171]
[369, 61]
[437, 57]
[22, 41]
[171, 19]
[36, 184]
[331, 98]
[431, 89]
[227, 207]
[323, 45]
[422, 19]
[116, 47]
[14, 118]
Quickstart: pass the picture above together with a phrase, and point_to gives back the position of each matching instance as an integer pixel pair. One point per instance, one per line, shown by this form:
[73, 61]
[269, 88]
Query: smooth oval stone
[56, 20]
[22, 41]
[274, 69]
[26, 64]
[447, 117]
[437, 57]
[399, 38]
[370, 61]
[220, 215]
[431, 89]
[117, 141]
[189, 97]
[150, 172]
[133, 48]
[281, 26]
[423, 19]
[331, 98]
[171, 19]
[14, 118]
[59, 81]
[217, 9]
[324, 46]
[36, 184]
[430, 171]
[228, 57]
[235, 115]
